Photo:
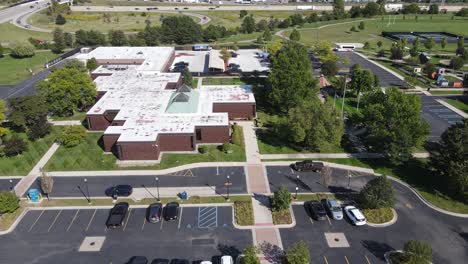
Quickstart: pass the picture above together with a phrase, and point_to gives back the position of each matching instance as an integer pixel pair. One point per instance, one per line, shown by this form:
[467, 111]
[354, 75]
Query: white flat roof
[196, 60]
[249, 61]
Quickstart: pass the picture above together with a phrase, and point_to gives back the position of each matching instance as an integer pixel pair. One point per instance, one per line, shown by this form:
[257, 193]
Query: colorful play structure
[438, 76]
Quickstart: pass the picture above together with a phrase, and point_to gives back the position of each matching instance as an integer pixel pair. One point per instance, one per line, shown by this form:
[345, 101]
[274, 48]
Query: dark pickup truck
[308, 165]
[117, 215]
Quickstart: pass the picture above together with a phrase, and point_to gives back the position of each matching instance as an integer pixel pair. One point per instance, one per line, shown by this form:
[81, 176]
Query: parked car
[117, 215]
[355, 215]
[153, 213]
[316, 210]
[179, 261]
[206, 262]
[138, 260]
[119, 190]
[227, 260]
[171, 211]
[308, 165]
[160, 261]
[334, 209]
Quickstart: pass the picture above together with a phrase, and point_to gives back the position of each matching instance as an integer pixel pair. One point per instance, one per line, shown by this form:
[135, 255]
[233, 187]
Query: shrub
[361, 25]
[377, 193]
[22, 50]
[353, 29]
[244, 213]
[237, 135]
[39, 128]
[60, 20]
[418, 251]
[298, 253]
[281, 199]
[9, 202]
[378, 216]
[15, 146]
[250, 255]
[456, 63]
[73, 136]
[201, 149]
[226, 147]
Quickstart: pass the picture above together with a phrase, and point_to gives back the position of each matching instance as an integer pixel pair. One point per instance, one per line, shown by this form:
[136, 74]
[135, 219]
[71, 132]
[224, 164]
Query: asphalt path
[198, 177]
[54, 236]
[447, 235]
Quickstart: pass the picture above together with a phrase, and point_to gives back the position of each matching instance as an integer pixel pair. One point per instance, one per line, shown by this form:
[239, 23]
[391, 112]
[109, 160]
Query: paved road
[438, 116]
[386, 78]
[11, 13]
[447, 235]
[198, 177]
[55, 236]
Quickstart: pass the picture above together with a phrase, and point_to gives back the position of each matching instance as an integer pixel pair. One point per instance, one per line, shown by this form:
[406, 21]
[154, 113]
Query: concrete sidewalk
[453, 108]
[334, 155]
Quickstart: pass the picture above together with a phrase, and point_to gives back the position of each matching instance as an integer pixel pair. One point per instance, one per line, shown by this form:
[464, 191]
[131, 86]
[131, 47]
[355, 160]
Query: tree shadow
[272, 253]
[263, 199]
[299, 182]
[378, 249]
[229, 250]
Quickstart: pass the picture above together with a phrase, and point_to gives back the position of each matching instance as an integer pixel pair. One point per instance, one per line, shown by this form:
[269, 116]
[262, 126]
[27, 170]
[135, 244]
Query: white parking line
[73, 220]
[91, 220]
[128, 218]
[56, 217]
[37, 219]
[180, 217]
[144, 222]
[326, 260]
[311, 221]
[367, 259]
[328, 218]
[347, 261]
[162, 221]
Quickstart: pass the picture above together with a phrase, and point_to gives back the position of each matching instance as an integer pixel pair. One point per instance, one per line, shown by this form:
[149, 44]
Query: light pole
[11, 185]
[344, 96]
[157, 187]
[297, 183]
[86, 197]
[349, 180]
[297, 189]
[87, 190]
[228, 183]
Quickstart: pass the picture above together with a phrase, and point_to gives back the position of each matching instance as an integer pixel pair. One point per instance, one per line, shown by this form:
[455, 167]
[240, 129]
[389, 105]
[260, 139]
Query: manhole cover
[336, 240]
[92, 244]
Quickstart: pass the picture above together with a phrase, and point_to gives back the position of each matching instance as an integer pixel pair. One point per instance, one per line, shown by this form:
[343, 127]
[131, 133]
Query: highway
[13, 13]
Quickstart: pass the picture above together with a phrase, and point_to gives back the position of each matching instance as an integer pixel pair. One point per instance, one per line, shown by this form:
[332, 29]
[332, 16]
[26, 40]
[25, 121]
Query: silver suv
[334, 209]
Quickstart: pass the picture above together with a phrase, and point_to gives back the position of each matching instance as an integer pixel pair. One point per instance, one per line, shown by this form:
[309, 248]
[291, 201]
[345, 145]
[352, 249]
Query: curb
[16, 222]
[293, 220]
[330, 164]
[389, 223]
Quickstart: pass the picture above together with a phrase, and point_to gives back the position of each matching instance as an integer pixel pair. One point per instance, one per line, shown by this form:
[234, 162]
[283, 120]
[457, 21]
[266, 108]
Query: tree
[417, 251]
[339, 9]
[290, 79]
[281, 199]
[91, 64]
[295, 35]
[396, 53]
[248, 25]
[22, 50]
[412, 8]
[355, 11]
[14, 146]
[261, 25]
[353, 29]
[449, 160]
[313, 17]
[180, 30]
[267, 35]
[60, 20]
[73, 136]
[3, 110]
[213, 33]
[75, 64]
[377, 193]
[59, 41]
[2, 51]
[361, 80]
[186, 77]
[366, 45]
[379, 44]
[393, 122]
[298, 253]
[90, 38]
[329, 68]
[381, 53]
[68, 90]
[297, 20]
[39, 128]
[225, 56]
[250, 255]
[382, 6]
[429, 69]
[429, 44]
[68, 39]
[460, 46]
[371, 9]
[9, 202]
[433, 9]
[47, 183]
[27, 110]
[462, 12]
[242, 13]
[117, 38]
[151, 35]
[457, 63]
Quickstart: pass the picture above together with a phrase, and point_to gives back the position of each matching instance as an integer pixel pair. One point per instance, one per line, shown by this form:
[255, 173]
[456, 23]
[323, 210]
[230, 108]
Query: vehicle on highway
[153, 213]
[138, 260]
[211, 8]
[308, 165]
[176, 8]
[185, 8]
[88, 8]
[119, 190]
[355, 215]
[316, 210]
[117, 215]
[334, 209]
[227, 260]
[160, 261]
[179, 261]
[171, 211]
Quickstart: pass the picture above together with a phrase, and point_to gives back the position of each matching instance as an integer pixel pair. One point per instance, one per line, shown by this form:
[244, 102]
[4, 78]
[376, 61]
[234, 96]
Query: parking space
[438, 116]
[309, 181]
[198, 177]
[8, 184]
[199, 234]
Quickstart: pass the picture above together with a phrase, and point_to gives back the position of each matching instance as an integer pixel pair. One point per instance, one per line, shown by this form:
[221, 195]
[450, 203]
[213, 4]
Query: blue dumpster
[183, 195]
[34, 195]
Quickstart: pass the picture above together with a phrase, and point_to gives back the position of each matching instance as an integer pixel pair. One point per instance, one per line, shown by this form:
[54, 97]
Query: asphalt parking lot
[386, 78]
[309, 181]
[55, 236]
[198, 177]
[438, 116]
[6, 185]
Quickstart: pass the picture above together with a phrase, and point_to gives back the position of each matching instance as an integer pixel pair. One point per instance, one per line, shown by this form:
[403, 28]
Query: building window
[198, 133]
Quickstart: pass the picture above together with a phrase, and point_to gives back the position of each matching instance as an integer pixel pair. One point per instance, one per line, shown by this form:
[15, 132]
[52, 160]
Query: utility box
[34, 196]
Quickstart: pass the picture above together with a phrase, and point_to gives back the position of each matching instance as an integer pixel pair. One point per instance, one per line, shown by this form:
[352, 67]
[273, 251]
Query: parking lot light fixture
[11, 185]
[228, 183]
[297, 189]
[88, 197]
[157, 188]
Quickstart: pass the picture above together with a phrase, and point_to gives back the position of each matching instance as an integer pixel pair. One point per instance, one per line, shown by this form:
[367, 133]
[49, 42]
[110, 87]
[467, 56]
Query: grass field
[447, 92]
[222, 81]
[90, 156]
[11, 34]
[23, 164]
[127, 21]
[458, 103]
[77, 116]
[17, 70]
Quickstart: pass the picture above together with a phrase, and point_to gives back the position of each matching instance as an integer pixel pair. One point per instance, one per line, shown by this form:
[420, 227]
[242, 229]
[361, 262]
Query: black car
[171, 211]
[308, 165]
[160, 261]
[117, 215]
[316, 210]
[138, 260]
[119, 190]
[153, 213]
[179, 261]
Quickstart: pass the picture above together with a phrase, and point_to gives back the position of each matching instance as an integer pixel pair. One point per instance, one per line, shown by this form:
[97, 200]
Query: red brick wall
[175, 142]
[97, 122]
[138, 151]
[120, 61]
[117, 123]
[95, 75]
[214, 134]
[110, 114]
[235, 110]
[99, 95]
[109, 141]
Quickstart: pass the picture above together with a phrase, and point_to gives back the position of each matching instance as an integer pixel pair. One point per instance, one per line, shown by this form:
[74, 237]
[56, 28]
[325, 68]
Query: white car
[227, 260]
[206, 262]
[355, 215]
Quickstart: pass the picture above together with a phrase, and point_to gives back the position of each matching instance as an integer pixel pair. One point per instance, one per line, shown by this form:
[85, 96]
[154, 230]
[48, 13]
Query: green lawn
[222, 81]
[23, 164]
[459, 103]
[90, 156]
[447, 92]
[11, 34]
[77, 116]
[14, 70]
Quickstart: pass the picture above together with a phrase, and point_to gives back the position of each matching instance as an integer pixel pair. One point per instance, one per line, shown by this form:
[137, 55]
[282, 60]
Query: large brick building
[144, 110]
